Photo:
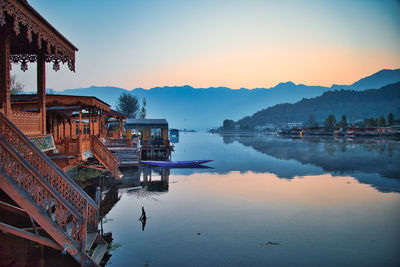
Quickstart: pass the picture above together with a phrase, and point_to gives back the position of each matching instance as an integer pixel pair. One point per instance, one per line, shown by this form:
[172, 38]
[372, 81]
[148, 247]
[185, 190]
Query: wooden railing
[56, 177]
[27, 122]
[52, 204]
[115, 142]
[105, 156]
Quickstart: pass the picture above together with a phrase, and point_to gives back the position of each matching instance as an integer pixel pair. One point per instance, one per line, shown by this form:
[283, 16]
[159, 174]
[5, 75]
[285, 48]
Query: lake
[265, 201]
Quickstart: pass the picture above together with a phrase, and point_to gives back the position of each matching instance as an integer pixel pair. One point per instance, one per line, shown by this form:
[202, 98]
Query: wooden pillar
[41, 90]
[100, 124]
[54, 126]
[120, 127]
[5, 81]
[70, 129]
[94, 125]
[66, 145]
[90, 120]
[80, 135]
[58, 128]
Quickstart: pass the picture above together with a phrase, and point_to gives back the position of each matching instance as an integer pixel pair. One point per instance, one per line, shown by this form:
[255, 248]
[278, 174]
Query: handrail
[41, 192]
[48, 169]
[104, 155]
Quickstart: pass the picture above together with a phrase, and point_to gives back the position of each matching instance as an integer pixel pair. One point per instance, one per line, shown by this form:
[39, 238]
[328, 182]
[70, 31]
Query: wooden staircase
[105, 156]
[127, 156]
[50, 198]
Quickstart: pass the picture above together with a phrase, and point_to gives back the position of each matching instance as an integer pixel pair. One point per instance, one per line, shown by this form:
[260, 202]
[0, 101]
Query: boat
[174, 132]
[189, 163]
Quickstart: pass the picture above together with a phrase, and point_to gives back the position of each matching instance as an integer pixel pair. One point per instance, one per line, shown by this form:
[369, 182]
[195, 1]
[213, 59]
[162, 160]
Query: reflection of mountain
[361, 159]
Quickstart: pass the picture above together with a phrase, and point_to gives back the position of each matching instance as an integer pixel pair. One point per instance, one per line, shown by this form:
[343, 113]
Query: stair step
[131, 157]
[129, 163]
[99, 252]
[91, 237]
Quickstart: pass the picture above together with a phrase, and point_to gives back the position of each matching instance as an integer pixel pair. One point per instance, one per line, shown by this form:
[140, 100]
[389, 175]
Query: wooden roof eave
[71, 101]
[34, 35]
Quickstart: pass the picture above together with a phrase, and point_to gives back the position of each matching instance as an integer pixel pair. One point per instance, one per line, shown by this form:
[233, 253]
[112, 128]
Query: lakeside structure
[41, 136]
[154, 136]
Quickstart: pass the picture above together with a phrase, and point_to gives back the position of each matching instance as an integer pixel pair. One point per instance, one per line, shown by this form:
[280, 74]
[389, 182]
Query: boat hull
[189, 163]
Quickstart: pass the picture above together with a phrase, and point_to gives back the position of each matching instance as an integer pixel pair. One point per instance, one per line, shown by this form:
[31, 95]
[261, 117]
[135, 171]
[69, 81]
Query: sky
[205, 43]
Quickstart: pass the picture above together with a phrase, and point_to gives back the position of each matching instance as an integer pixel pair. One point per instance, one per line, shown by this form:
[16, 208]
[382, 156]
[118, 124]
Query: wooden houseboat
[153, 135]
[43, 135]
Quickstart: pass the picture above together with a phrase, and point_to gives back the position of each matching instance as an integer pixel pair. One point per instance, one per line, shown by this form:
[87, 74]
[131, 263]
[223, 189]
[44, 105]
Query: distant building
[291, 124]
[154, 135]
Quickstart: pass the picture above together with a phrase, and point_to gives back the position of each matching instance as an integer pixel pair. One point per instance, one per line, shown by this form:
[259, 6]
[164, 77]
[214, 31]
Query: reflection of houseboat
[153, 134]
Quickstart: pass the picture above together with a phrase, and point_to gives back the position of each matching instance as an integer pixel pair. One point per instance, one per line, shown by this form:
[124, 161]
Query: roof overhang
[31, 35]
[64, 101]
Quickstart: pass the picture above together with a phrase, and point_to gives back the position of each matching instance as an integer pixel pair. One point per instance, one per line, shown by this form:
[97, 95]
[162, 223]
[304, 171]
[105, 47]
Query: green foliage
[228, 124]
[143, 110]
[370, 122]
[311, 122]
[381, 122]
[390, 119]
[128, 105]
[16, 86]
[343, 122]
[330, 122]
[357, 105]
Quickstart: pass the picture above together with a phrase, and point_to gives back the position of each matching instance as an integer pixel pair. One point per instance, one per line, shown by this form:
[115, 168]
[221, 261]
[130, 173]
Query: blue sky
[248, 43]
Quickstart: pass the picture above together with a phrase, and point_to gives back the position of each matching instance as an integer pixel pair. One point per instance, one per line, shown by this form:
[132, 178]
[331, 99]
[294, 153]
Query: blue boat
[189, 163]
[174, 132]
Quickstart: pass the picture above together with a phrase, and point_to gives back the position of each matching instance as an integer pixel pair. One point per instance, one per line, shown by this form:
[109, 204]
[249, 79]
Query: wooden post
[70, 129]
[98, 201]
[41, 90]
[5, 81]
[66, 145]
[84, 232]
[80, 148]
[100, 124]
[90, 120]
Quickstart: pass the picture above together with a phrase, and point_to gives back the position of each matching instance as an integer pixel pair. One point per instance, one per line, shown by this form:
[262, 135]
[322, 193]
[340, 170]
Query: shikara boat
[189, 163]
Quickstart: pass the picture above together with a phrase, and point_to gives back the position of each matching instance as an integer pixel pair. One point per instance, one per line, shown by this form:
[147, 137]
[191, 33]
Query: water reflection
[146, 179]
[212, 219]
[371, 161]
[333, 199]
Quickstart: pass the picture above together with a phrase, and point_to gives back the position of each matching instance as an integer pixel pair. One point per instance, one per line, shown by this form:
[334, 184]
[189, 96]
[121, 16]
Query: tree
[128, 104]
[330, 122]
[16, 86]
[381, 122]
[228, 124]
[143, 110]
[370, 122]
[311, 122]
[390, 119]
[343, 122]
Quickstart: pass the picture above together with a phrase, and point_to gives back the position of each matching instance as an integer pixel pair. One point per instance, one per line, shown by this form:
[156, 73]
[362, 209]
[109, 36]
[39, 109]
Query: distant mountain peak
[285, 85]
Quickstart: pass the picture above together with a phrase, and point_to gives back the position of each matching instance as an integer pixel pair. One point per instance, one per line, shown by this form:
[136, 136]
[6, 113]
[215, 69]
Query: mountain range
[201, 108]
[356, 105]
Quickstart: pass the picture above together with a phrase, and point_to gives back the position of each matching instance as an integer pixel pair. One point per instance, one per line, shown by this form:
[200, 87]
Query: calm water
[318, 202]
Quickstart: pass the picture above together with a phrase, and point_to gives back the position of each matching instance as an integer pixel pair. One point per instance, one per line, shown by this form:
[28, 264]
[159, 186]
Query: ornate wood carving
[41, 192]
[62, 183]
[28, 122]
[105, 156]
[57, 48]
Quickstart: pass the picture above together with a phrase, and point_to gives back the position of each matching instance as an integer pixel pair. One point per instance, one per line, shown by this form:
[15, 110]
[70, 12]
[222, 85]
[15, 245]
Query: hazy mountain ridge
[355, 105]
[188, 107]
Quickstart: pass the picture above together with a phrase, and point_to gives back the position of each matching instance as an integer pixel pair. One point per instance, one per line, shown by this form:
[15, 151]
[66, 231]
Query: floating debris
[198, 234]
[272, 243]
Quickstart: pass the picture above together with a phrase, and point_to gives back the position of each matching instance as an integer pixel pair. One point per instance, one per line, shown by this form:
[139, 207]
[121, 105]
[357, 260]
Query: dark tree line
[129, 105]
